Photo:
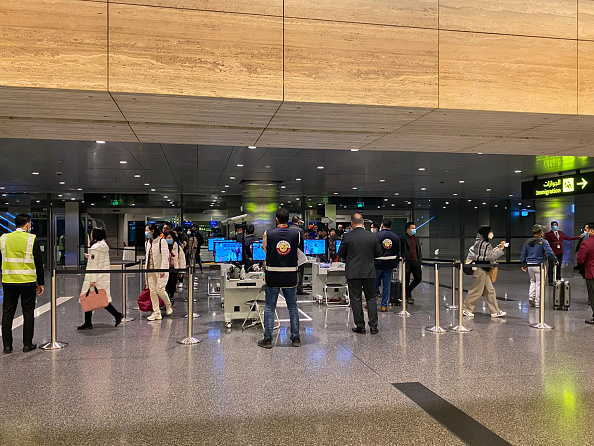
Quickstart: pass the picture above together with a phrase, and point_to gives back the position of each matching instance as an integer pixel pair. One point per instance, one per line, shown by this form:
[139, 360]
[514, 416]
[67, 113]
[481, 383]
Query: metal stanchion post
[53, 344]
[403, 313]
[436, 328]
[125, 317]
[453, 306]
[191, 296]
[140, 285]
[460, 328]
[190, 340]
[543, 278]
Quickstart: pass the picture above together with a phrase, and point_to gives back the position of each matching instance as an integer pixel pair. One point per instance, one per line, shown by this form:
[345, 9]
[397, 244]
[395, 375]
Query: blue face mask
[147, 234]
[586, 235]
[169, 241]
[554, 227]
[413, 231]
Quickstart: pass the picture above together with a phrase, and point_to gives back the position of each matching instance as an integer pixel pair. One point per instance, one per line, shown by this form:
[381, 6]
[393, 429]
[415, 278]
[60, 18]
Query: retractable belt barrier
[54, 344]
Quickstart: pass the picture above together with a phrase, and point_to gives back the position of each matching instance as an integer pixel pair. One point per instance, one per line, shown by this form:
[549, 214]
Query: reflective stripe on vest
[18, 264]
[386, 258]
[282, 269]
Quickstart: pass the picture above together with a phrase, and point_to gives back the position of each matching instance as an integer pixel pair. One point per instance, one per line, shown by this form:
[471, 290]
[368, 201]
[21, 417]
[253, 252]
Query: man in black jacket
[384, 265]
[359, 248]
[411, 252]
[248, 240]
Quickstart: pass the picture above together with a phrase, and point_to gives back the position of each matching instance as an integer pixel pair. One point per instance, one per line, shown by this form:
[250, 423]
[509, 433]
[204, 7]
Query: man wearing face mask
[411, 252]
[555, 237]
[586, 257]
[22, 277]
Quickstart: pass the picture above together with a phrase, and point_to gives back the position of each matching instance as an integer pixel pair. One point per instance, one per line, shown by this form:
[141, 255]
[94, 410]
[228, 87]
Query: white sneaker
[168, 311]
[467, 313]
[155, 316]
[499, 314]
[531, 302]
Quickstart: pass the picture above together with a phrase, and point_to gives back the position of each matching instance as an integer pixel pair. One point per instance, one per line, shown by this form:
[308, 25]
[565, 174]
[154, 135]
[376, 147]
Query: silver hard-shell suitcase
[561, 293]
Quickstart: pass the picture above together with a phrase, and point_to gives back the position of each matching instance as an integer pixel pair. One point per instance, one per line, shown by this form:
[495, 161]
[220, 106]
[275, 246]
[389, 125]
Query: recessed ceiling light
[2, 188]
[34, 173]
[133, 204]
[223, 191]
[421, 169]
[396, 193]
[4, 195]
[511, 195]
[461, 181]
[519, 204]
[240, 165]
[423, 188]
[123, 162]
[136, 176]
[37, 201]
[385, 199]
[484, 203]
[62, 182]
[528, 206]
[72, 199]
[165, 196]
[455, 195]
[231, 178]
[153, 190]
[60, 195]
[79, 189]
[354, 150]
[480, 153]
[297, 179]
[447, 202]
[488, 190]
[211, 205]
[469, 201]
[283, 187]
[226, 185]
[517, 171]
[382, 181]
[496, 205]
[335, 193]
[267, 167]
[100, 142]
[7, 202]
[393, 204]
[147, 184]
[320, 167]
[444, 207]
[92, 204]
[476, 207]
[252, 147]
[354, 188]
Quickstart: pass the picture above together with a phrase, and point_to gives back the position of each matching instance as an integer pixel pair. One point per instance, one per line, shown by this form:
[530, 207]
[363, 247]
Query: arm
[493, 254]
[566, 237]
[549, 252]
[181, 258]
[378, 249]
[342, 251]
[264, 241]
[524, 253]
[38, 258]
[398, 247]
[92, 264]
[164, 255]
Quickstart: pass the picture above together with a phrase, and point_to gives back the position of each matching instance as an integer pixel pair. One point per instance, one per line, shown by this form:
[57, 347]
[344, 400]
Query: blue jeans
[385, 276]
[291, 299]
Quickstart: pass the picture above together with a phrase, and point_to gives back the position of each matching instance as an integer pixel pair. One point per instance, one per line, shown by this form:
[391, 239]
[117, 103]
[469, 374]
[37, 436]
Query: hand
[162, 275]
[524, 269]
[582, 235]
[502, 245]
[40, 290]
[92, 284]
[86, 256]
[557, 264]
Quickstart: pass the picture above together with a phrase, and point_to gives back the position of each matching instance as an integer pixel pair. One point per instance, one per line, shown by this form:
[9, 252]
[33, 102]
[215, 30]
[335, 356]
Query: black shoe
[373, 330]
[589, 321]
[172, 300]
[7, 350]
[29, 348]
[265, 343]
[410, 301]
[118, 319]
[358, 330]
[85, 327]
[296, 342]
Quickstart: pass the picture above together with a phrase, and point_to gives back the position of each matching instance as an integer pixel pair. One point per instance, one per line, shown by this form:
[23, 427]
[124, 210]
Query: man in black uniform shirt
[384, 265]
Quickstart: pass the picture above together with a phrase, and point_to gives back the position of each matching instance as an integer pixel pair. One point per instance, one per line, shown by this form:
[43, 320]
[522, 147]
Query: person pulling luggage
[535, 251]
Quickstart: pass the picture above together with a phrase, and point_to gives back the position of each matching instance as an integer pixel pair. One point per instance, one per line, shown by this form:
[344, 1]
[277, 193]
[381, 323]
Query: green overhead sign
[559, 186]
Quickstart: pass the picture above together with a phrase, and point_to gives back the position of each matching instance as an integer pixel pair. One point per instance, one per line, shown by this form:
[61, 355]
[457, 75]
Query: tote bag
[93, 299]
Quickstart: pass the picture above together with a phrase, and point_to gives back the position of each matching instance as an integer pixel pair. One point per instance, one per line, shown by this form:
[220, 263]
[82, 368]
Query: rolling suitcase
[561, 293]
[395, 293]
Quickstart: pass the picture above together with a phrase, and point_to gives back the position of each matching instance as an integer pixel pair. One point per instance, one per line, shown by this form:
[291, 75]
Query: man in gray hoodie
[535, 251]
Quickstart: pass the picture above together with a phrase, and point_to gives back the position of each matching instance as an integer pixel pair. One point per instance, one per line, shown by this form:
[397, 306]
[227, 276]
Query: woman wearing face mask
[98, 259]
[482, 253]
[177, 260]
[157, 257]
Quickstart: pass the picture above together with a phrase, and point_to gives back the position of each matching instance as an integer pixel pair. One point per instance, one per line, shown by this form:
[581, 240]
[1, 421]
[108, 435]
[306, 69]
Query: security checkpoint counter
[237, 295]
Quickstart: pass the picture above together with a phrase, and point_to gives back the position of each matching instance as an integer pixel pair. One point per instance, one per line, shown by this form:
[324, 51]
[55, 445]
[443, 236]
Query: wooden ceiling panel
[425, 143]
[575, 128]
[53, 44]
[585, 19]
[586, 77]
[525, 146]
[267, 7]
[189, 134]
[195, 53]
[315, 140]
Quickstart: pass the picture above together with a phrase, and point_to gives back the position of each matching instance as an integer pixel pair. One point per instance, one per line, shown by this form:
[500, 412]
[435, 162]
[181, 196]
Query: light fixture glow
[455, 195]
[240, 165]
[382, 181]
[517, 171]
[147, 184]
[252, 147]
[100, 142]
[354, 150]
[231, 178]
[123, 162]
[354, 188]
[421, 169]
[488, 190]
[396, 193]
[461, 181]
[297, 179]
[62, 182]
[136, 176]
[335, 193]
[34, 173]
[226, 185]
[423, 188]
[153, 190]
[320, 167]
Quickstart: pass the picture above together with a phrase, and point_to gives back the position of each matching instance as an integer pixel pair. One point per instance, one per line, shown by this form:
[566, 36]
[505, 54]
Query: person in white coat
[98, 259]
[157, 257]
[177, 260]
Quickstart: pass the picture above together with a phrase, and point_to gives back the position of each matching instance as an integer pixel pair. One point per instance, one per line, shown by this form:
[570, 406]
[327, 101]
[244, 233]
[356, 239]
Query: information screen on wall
[559, 186]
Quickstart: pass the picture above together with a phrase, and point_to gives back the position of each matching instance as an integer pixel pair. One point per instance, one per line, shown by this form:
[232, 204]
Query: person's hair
[357, 219]
[590, 226]
[97, 235]
[21, 220]
[554, 223]
[239, 228]
[167, 223]
[387, 223]
[156, 231]
[249, 228]
[484, 231]
[179, 229]
[409, 224]
[282, 215]
[332, 230]
[296, 219]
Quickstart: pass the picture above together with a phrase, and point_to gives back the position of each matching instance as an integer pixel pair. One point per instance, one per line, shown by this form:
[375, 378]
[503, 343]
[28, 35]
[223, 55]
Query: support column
[260, 199]
[71, 233]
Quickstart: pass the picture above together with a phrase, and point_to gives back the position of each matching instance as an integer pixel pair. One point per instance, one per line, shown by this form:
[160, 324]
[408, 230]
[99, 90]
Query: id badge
[558, 246]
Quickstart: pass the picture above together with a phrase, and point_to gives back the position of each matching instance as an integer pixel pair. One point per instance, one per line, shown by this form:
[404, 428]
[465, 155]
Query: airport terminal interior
[199, 120]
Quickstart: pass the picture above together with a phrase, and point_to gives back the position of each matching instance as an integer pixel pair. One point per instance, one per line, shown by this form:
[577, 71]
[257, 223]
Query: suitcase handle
[96, 290]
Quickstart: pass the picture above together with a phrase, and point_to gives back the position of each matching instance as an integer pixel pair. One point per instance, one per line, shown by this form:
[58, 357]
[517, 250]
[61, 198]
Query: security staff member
[384, 265]
[359, 248]
[22, 277]
[411, 252]
[280, 272]
[248, 241]
[555, 237]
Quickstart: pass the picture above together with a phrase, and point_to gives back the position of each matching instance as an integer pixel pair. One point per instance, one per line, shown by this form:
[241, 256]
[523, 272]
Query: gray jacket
[483, 252]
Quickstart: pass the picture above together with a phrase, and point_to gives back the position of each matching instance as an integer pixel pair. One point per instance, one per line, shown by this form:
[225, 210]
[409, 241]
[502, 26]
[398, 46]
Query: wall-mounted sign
[360, 204]
[559, 186]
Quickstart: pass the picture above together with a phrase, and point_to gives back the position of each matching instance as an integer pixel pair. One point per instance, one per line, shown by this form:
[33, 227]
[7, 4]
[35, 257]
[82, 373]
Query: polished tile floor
[135, 385]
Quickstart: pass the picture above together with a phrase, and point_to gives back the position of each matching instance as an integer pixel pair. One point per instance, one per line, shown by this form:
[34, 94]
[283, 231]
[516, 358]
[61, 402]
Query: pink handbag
[93, 299]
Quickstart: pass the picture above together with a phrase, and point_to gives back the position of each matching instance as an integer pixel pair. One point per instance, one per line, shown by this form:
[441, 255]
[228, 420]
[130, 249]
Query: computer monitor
[258, 254]
[212, 240]
[228, 252]
[338, 242]
[315, 247]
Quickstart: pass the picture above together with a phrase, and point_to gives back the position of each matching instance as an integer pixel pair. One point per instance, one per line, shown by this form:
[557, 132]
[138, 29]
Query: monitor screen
[258, 254]
[212, 240]
[338, 242]
[315, 247]
[228, 251]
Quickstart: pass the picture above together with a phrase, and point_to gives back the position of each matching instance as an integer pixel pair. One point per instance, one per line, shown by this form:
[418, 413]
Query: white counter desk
[334, 275]
[237, 294]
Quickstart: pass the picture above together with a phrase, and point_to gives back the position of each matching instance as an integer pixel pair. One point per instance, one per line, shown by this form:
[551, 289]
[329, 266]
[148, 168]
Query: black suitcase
[561, 293]
[395, 293]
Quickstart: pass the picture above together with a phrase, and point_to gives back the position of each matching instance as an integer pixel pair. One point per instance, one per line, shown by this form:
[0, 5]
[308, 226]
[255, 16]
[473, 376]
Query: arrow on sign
[582, 183]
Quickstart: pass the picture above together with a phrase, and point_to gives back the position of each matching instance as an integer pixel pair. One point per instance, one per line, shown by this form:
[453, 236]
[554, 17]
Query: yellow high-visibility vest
[18, 265]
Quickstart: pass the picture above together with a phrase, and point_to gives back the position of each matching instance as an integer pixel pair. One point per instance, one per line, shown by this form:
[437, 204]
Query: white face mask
[490, 236]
